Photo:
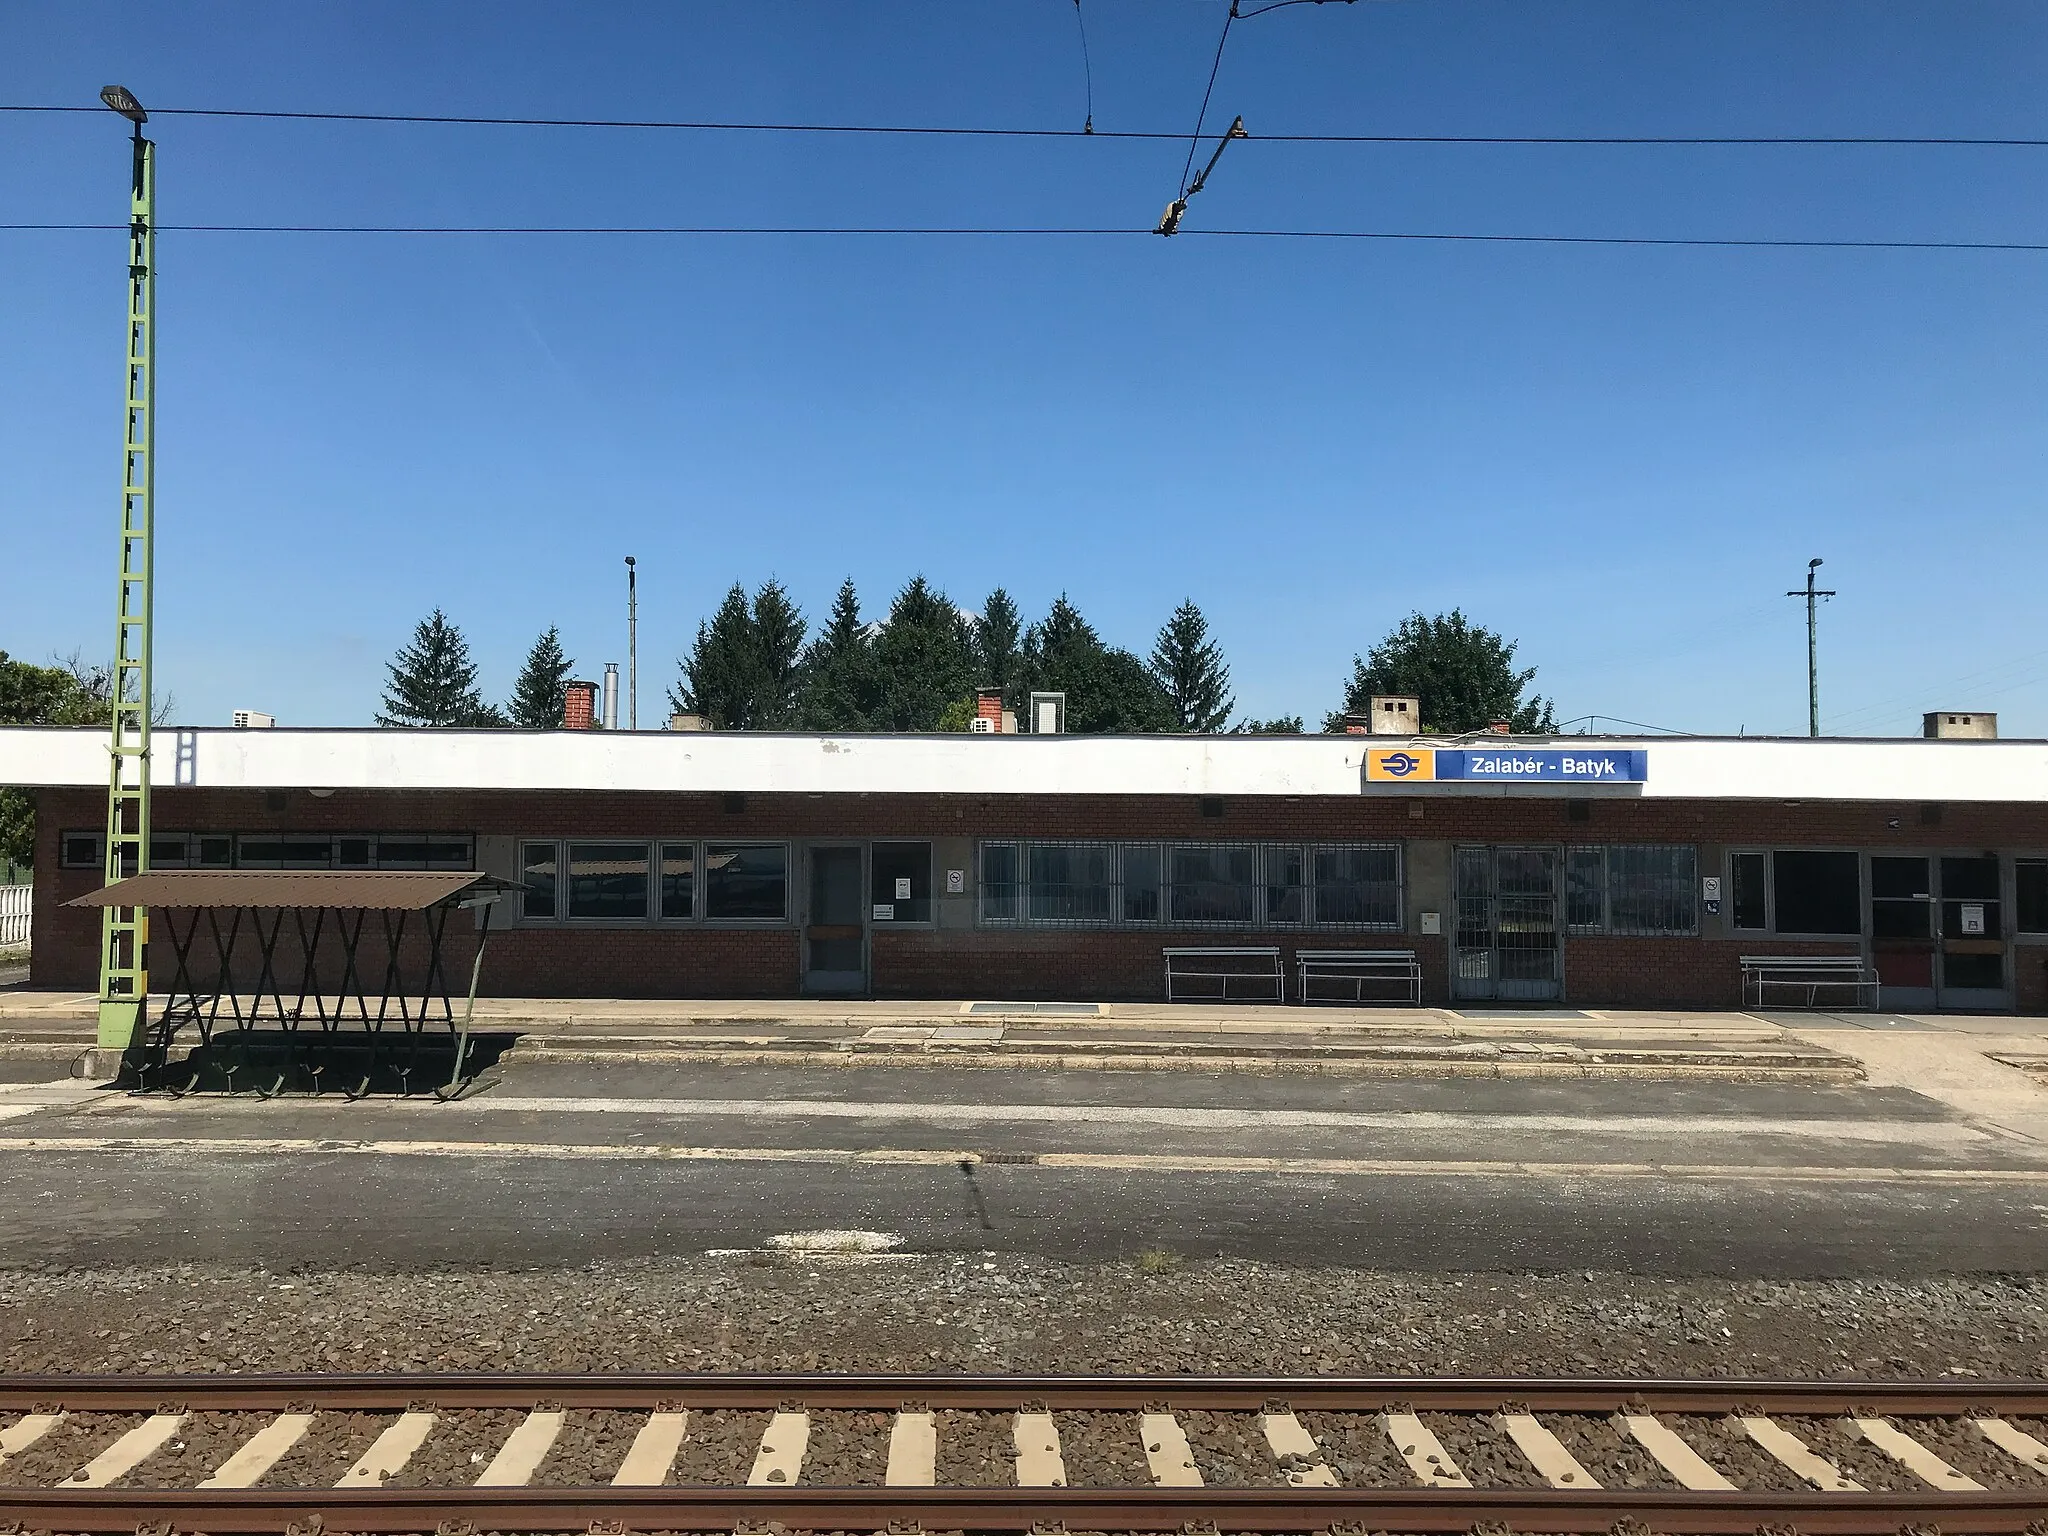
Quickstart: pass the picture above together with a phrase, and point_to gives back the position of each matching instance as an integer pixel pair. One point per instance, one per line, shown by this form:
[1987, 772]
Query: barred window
[1211, 885]
[1001, 887]
[1069, 883]
[1287, 886]
[1639, 889]
[1357, 887]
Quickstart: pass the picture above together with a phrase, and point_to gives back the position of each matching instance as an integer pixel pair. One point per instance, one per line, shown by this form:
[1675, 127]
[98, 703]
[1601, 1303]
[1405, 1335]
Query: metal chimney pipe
[611, 695]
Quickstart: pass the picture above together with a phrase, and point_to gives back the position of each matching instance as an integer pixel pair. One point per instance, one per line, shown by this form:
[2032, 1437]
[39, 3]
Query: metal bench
[1255, 970]
[1324, 975]
[1805, 978]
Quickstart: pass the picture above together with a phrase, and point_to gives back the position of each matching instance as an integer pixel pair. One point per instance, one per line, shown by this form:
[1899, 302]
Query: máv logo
[1400, 764]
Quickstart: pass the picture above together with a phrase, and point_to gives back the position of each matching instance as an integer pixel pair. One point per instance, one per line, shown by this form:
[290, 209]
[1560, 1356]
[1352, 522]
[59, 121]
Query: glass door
[1902, 915]
[835, 921]
[1971, 966]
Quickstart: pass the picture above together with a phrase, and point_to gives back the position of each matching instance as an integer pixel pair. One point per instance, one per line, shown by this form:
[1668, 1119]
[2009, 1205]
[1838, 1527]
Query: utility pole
[124, 931]
[632, 647]
[1812, 655]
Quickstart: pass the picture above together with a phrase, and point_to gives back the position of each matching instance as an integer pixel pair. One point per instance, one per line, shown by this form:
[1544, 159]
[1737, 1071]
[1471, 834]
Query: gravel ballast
[952, 1313]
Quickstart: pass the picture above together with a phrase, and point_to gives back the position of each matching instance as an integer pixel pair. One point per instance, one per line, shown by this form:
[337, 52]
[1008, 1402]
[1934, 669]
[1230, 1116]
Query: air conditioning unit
[253, 720]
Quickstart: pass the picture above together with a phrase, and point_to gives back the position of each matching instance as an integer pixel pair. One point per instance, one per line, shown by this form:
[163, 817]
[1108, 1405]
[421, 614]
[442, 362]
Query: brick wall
[1021, 964]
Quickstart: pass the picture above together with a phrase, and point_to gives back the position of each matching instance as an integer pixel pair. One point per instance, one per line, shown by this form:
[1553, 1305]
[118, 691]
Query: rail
[17, 911]
[1961, 1456]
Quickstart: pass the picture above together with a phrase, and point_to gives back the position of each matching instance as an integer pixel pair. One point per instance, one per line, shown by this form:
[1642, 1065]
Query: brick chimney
[579, 707]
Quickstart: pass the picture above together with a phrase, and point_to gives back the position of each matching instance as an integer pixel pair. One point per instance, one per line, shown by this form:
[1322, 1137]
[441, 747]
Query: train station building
[1570, 871]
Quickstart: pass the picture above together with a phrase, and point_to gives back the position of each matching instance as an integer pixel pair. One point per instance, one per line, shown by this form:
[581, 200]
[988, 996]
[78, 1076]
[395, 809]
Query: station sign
[1506, 765]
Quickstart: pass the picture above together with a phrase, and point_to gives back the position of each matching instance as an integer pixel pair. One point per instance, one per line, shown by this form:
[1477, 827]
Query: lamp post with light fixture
[124, 931]
[632, 647]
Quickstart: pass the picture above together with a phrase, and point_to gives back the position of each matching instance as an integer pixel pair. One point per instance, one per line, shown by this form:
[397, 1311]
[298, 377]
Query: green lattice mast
[124, 931]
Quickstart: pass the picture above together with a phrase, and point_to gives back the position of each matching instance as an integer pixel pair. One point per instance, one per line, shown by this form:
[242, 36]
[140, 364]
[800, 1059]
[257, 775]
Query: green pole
[124, 931]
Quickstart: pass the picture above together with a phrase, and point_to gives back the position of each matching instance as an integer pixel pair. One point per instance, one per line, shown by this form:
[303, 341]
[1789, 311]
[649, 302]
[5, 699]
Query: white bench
[1253, 970]
[1799, 980]
[1395, 972]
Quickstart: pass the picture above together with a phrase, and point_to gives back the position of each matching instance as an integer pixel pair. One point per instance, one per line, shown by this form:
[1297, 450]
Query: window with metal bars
[1284, 886]
[1636, 889]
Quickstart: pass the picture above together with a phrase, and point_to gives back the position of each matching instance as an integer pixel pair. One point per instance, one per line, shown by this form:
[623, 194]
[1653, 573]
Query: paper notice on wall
[885, 912]
[956, 882]
[903, 887]
[1973, 917]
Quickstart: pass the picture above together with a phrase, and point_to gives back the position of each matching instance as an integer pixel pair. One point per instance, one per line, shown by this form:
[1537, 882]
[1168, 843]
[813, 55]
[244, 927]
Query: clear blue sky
[1621, 457]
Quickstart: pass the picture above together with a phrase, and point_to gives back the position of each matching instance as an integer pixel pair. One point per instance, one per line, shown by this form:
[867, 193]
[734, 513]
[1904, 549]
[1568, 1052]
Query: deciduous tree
[1465, 676]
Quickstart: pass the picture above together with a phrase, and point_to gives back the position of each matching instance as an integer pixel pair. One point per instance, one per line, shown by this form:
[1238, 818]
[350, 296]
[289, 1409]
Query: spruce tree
[996, 637]
[741, 673]
[1108, 689]
[840, 687]
[539, 692]
[924, 659]
[778, 648]
[1189, 666]
[433, 680]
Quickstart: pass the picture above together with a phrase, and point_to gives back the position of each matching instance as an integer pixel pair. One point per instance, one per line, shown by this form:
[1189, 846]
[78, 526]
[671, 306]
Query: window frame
[704, 847]
[1603, 891]
[931, 884]
[565, 882]
[1007, 903]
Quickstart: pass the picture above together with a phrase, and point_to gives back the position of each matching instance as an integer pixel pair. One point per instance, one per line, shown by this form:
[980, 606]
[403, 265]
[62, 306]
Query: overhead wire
[917, 130]
[1195, 138]
[1087, 71]
[1074, 231]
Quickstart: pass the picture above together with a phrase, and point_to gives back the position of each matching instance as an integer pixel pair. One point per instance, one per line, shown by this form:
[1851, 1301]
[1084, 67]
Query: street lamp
[124, 930]
[632, 648]
[1811, 594]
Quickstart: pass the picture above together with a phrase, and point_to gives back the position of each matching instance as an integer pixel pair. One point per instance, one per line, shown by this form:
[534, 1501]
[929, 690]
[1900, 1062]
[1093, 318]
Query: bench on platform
[1799, 981]
[1343, 975]
[1208, 973]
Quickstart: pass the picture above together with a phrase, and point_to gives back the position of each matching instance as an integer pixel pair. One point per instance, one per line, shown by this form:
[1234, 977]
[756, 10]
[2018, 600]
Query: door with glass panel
[835, 920]
[1970, 970]
[1505, 948]
[1903, 919]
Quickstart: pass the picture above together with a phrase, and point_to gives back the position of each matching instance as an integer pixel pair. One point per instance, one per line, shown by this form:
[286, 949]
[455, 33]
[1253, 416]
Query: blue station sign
[1506, 765]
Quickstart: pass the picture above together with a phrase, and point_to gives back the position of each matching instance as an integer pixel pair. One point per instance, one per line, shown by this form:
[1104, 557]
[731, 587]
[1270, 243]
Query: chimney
[988, 712]
[611, 695]
[1957, 725]
[688, 722]
[579, 707]
[1394, 714]
[1502, 727]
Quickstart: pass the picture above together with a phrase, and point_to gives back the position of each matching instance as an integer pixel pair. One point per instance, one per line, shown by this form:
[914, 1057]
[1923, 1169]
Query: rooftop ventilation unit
[1048, 714]
[253, 720]
[1955, 725]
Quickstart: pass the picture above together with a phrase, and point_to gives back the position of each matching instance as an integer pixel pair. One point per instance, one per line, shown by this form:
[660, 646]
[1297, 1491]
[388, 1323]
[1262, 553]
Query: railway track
[542, 1453]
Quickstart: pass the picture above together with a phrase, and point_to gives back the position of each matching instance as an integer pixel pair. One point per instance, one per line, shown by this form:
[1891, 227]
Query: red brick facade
[968, 961]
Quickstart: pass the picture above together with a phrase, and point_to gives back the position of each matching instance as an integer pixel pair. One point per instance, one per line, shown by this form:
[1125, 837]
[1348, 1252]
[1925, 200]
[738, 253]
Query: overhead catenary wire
[1087, 71]
[1064, 231]
[917, 130]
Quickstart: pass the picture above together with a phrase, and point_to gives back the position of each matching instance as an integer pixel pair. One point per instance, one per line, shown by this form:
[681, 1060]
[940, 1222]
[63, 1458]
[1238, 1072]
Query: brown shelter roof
[373, 890]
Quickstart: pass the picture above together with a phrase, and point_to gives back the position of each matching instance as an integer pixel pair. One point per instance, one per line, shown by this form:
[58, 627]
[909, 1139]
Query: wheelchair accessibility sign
[1505, 765]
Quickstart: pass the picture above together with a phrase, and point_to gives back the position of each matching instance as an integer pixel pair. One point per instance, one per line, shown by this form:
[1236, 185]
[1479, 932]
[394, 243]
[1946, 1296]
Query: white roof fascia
[707, 762]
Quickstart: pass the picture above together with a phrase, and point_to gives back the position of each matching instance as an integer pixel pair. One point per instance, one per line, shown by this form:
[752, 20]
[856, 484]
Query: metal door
[835, 920]
[1506, 947]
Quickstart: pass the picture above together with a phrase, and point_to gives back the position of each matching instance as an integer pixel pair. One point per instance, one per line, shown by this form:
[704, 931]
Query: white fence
[14, 913]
